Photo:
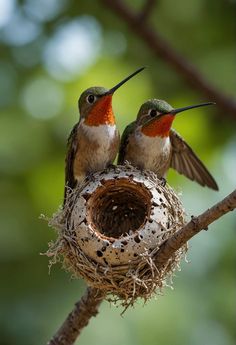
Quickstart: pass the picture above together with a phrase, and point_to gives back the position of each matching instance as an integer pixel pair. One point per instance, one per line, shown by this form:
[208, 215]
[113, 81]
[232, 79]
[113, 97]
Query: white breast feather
[102, 134]
[152, 149]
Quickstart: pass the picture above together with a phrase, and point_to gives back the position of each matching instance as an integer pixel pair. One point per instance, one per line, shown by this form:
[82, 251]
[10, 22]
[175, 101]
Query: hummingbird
[94, 141]
[150, 143]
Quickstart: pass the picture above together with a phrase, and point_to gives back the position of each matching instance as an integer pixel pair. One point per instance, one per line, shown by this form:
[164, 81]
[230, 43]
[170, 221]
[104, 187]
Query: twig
[78, 318]
[89, 303]
[194, 226]
[163, 49]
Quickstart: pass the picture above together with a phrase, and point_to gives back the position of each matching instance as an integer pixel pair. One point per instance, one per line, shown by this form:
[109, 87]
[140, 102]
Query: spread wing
[72, 144]
[124, 142]
[185, 161]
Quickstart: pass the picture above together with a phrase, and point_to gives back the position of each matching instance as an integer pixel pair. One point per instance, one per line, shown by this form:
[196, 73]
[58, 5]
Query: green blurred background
[51, 50]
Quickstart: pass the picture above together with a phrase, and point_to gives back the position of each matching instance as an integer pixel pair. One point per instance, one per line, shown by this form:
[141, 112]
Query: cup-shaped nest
[111, 228]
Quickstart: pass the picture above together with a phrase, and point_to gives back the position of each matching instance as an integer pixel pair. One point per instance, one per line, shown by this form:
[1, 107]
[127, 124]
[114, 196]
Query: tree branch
[163, 49]
[146, 10]
[89, 303]
[194, 226]
[78, 318]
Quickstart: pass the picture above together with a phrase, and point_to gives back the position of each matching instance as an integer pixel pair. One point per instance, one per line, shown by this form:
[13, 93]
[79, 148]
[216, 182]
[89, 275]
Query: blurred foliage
[51, 50]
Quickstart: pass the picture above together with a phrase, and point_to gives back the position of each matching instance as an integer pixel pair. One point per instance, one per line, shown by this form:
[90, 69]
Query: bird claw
[109, 167]
[163, 181]
[90, 177]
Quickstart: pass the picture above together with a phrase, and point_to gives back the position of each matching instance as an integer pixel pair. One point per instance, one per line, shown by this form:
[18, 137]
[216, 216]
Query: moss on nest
[111, 228]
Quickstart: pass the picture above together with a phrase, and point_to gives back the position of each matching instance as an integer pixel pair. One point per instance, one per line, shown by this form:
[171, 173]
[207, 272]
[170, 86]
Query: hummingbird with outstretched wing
[150, 143]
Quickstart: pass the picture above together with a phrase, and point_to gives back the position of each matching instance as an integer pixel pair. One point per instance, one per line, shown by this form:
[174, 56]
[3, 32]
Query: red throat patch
[101, 113]
[159, 127]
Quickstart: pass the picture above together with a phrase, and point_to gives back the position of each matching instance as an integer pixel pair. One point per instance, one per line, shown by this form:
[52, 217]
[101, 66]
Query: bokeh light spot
[43, 98]
[20, 30]
[6, 9]
[74, 47]
[44, 10]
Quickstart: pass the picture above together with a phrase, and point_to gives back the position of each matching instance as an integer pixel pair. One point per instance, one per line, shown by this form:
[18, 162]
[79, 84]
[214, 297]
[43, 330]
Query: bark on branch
[195, 226]
[161, 48]
[89, 303]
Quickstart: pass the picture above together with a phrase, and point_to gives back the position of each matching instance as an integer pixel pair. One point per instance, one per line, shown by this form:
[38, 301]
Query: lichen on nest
[111, 228]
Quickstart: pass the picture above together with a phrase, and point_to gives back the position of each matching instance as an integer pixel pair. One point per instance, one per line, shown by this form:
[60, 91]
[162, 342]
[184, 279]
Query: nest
[111, 228]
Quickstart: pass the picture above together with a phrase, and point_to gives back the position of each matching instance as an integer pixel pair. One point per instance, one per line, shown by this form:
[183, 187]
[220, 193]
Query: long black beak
[179, 110]
[114, 88]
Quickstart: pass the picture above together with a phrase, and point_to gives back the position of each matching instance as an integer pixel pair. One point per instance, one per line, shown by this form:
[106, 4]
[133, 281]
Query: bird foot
[90, 177]
[163, 181]
[109, 167]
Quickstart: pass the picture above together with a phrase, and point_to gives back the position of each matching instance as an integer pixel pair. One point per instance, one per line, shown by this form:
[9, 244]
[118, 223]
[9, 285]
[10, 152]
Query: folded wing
[70, 181]
[124, 142]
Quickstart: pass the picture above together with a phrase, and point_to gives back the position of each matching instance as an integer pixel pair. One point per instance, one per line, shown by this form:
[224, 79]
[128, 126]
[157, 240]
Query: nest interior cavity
[118, 206]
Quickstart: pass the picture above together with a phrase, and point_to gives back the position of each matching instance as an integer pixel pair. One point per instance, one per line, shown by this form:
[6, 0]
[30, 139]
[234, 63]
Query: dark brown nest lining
[117, 207]
[117, 222]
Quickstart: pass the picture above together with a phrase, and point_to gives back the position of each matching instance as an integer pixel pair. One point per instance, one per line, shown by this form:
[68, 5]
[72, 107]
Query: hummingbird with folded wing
[150, 143]
[94, 141]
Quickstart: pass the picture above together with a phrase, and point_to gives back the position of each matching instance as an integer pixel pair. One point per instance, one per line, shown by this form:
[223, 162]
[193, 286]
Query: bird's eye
[91, 99]
[153, 113]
